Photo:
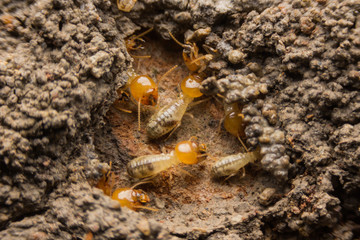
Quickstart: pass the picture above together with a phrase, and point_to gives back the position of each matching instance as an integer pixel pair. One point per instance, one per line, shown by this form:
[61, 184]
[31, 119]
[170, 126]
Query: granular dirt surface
[293, 65]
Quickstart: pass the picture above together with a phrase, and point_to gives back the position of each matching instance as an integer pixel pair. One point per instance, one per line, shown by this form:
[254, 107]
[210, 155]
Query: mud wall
[61, 62]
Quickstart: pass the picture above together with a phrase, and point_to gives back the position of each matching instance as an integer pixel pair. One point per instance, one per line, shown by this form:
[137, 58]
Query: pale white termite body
[150, 165]
[186, 152]
[231, 164]
[168, 117]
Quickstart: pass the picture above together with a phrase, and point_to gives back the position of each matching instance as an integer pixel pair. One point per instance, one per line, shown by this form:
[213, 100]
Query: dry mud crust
[61, 62]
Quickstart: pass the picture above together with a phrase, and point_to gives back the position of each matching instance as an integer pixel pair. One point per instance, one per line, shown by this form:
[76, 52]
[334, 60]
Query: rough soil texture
[295, 65]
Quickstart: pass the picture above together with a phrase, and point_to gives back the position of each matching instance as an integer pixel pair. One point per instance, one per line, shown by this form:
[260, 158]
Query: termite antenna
[168, 72]
[142, 34]
[131, 44]
[141, 183]
[177, 41]
[142, 57]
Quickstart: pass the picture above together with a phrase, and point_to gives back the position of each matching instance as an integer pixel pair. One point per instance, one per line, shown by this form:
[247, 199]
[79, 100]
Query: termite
[132, 198]
[194, 61]
[131, 44]
[143, 90]
[187, 152]
[125, 5]
[230, 165]
[127, 197]
[234, 121]
[168, 118]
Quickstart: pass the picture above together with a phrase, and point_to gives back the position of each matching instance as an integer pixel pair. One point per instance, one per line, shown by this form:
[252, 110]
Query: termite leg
[243, 174]
[186, 172]
[189, 114]
[227, 178]
[172, 131]
[198, 59]
[220, 124]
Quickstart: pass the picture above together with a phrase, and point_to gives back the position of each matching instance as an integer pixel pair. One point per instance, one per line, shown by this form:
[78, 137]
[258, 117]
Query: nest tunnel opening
[185, 202]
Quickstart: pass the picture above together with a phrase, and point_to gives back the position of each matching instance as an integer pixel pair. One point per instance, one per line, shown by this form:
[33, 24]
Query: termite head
[190, 85]
[190, 151]
[144, 90]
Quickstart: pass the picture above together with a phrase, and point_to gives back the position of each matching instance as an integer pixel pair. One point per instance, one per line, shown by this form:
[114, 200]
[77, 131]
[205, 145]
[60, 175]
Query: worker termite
[132, 198]
[143, 90]
[127, 197]
[234, 120]
[187, 152]
[194, 61]
[125, 5]
[230, 165]
[168, 118]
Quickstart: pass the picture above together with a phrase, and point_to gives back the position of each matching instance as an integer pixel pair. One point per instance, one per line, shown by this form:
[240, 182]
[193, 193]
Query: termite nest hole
[181, 189]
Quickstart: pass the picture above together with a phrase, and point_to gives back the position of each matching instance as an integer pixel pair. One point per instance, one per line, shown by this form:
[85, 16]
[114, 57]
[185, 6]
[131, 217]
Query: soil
[293, 65]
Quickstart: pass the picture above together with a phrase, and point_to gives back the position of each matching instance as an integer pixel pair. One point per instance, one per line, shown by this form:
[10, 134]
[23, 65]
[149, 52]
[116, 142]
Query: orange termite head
[189, 151]
[191, 84]
[144, 90]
